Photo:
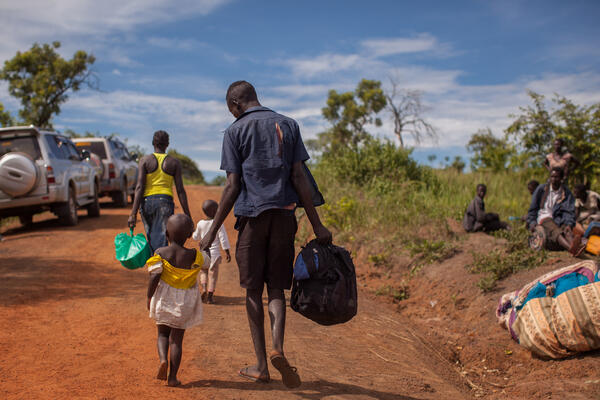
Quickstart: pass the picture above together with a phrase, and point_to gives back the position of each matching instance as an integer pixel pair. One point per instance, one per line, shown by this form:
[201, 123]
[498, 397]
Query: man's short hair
[161, 138]
[241, 91]
[559, 170]
[481, 185]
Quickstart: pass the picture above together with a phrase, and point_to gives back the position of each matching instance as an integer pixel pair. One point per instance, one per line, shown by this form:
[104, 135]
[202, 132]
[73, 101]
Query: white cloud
[27, 21]
[174, 43]
[391, 46]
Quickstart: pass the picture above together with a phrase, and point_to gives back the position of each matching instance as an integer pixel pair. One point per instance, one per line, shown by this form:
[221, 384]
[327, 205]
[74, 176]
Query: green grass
[386, 217]
[500, 263]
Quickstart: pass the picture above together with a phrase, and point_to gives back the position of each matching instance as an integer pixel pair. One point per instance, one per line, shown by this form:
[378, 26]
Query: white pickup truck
[40, 171]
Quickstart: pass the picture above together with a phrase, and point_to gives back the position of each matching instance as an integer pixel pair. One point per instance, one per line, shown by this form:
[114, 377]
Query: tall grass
[374, 202]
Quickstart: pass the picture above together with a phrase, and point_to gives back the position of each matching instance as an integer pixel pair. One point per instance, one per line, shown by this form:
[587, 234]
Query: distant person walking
[154, 191]
[263, 156]
[208, 279]
[561, 159]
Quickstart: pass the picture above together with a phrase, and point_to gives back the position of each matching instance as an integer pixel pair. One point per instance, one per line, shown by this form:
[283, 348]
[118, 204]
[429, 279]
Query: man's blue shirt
[263, 157]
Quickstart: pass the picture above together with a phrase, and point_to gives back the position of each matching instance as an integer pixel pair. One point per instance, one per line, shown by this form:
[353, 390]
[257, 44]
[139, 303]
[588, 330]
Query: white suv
[119, 168]
[41, 171]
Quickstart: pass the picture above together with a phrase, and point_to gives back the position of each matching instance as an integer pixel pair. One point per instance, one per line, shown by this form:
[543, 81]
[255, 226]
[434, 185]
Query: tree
[406, 109]
[489, 152]
[579, 126]
[458, 164]
[189, 169]
[218, 180]
[41, 79]
[5, 117]
[431, 158]
[348, 114]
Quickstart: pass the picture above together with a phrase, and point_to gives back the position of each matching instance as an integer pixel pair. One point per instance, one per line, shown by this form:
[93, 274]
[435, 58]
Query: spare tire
[18, 174]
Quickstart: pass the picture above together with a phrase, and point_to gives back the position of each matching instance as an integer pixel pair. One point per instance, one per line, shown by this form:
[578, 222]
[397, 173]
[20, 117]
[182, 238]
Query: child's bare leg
[176, 347]
[163, 348]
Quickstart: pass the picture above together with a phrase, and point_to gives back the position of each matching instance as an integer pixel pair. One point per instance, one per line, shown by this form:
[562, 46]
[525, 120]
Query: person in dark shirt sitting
[477, 220]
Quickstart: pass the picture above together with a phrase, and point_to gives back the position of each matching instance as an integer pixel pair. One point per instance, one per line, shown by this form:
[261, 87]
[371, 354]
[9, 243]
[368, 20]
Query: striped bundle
[558, 314]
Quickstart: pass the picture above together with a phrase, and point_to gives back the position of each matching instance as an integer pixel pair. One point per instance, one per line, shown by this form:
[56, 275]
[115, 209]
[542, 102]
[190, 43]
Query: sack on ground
[132, 251]
[558, 314]
[324, 286]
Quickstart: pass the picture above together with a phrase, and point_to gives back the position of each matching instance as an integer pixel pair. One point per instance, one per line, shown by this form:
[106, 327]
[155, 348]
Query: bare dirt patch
[76, 326]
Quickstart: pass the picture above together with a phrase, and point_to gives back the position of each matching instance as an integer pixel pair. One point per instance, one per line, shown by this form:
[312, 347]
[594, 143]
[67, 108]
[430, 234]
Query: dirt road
[76, 326]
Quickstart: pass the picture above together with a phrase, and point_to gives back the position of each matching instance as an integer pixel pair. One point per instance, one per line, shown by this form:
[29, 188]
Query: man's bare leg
[256, 320]
[163, 349]
[277, 316]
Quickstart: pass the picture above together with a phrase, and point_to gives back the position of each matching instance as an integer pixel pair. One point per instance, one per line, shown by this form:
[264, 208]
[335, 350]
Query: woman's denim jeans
[156, 210]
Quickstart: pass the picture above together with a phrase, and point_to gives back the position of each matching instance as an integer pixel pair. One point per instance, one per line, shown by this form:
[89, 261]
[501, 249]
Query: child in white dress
[208, 288]
[173, 299]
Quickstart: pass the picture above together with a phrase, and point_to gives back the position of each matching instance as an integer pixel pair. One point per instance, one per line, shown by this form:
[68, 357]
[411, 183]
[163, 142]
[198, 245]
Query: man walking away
[263, 155]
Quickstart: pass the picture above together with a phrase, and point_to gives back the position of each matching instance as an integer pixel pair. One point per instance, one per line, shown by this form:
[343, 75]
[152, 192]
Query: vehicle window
[55, 147]
[72, 150]
[117, 149]
[93, 147]
[23, 144]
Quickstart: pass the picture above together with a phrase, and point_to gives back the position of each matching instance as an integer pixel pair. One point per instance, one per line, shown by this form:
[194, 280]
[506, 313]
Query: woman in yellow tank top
[154, 191]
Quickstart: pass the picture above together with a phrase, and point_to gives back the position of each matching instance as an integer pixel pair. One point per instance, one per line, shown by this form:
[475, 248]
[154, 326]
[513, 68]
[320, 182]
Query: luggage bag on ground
[324, 286]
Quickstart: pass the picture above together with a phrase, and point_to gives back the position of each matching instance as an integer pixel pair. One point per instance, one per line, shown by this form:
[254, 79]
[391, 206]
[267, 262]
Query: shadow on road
[85, 223]
[312, 390]
[229, 301]
[29, 280]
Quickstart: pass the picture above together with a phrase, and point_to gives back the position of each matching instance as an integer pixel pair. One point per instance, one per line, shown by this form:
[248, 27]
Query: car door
[78, 170]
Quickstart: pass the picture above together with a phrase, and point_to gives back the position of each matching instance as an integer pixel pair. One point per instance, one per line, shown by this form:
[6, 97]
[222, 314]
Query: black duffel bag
[324, 286]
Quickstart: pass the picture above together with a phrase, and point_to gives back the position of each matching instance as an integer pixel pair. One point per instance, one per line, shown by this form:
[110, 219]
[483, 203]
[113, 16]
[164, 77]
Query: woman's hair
[161, 138]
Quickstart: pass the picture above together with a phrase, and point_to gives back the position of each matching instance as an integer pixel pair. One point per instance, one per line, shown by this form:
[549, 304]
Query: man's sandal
[289, 374]
[260, 379]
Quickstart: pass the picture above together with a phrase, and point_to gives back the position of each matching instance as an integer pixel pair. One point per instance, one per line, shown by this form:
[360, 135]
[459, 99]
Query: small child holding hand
[210, 209]
[173, 299]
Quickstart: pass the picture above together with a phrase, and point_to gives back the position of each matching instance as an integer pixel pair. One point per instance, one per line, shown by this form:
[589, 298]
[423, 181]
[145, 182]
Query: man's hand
[132, 220]
[568, 229]
[206, 241]
[323, 235]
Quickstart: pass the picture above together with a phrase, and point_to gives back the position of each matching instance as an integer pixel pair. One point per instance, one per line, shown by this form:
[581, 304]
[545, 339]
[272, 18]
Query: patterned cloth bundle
[558, 314]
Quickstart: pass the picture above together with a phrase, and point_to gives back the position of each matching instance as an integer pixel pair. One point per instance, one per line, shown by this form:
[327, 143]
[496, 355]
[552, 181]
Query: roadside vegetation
[382, 203]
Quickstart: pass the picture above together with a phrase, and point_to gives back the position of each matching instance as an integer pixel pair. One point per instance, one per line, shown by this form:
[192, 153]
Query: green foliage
[398, 294]
[189, 170]
[5, 118]
[218, 180]
[348, 114]
[430, 251]
[376, 164]
[500, 263]
[489, 152]
[40, 78]
[72, 134]
[458, 164]
[535, 129]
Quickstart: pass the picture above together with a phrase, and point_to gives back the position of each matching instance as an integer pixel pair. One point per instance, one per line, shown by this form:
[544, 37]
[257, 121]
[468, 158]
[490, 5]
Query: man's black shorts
[265, 249]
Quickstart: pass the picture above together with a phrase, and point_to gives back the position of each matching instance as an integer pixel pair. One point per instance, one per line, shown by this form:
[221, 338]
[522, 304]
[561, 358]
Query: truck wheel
[120, 197]
[68, 212]
[93, 209]
[26, 219]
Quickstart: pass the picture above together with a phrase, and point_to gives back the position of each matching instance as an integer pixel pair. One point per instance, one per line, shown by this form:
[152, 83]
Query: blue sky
[167, 64]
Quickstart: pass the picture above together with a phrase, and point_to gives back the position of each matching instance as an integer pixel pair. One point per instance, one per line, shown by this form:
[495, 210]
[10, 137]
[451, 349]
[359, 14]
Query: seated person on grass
[553, 208]
[587, 205]
[476, 219]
